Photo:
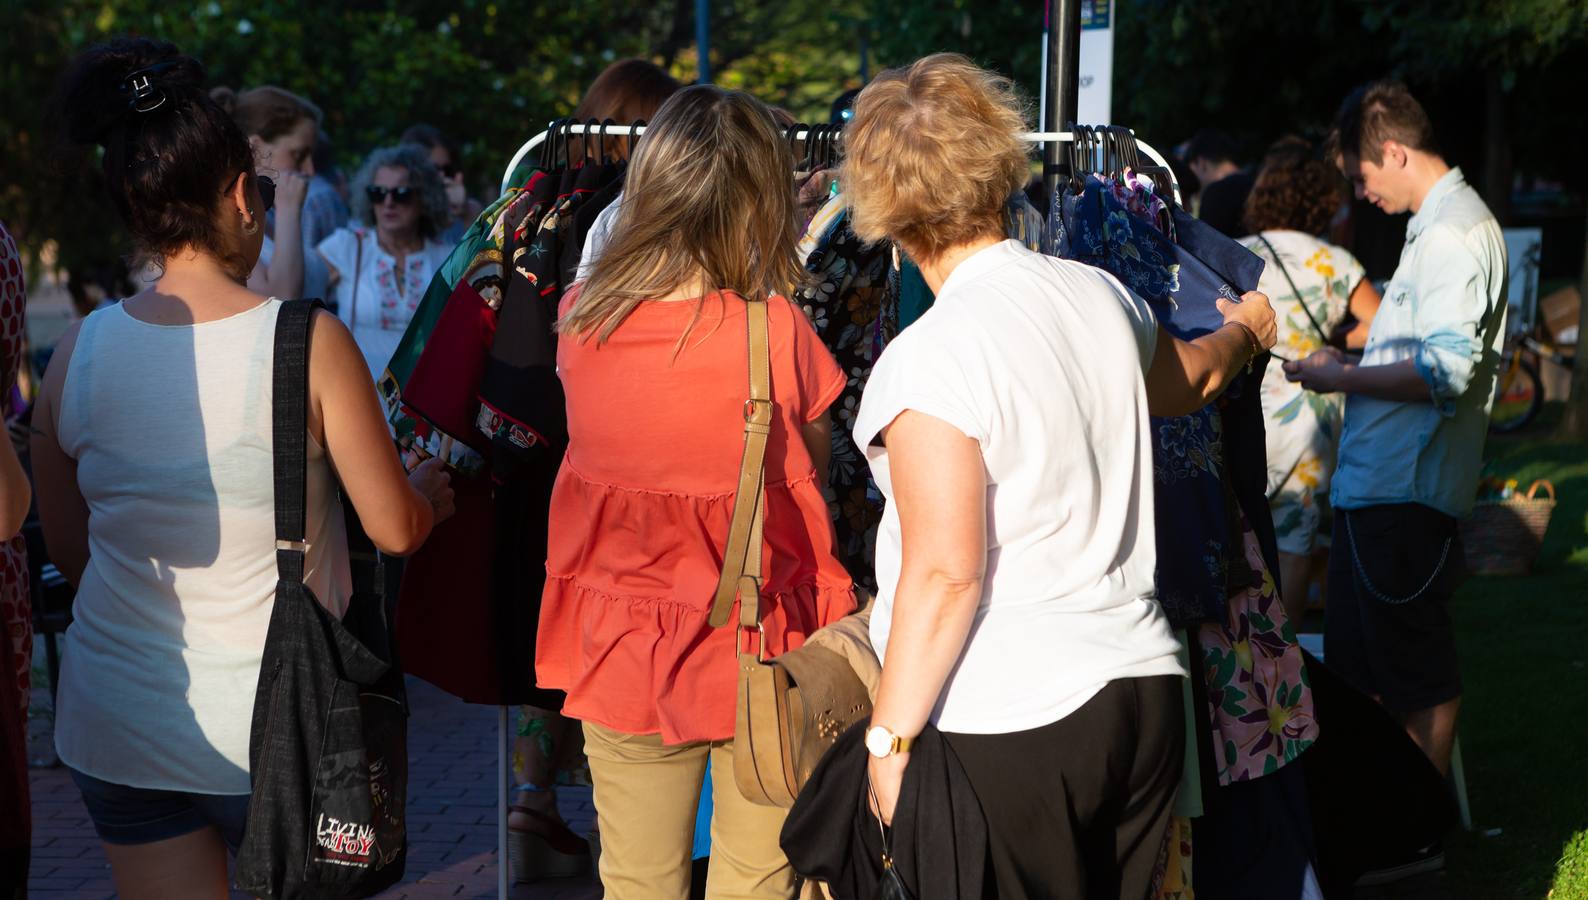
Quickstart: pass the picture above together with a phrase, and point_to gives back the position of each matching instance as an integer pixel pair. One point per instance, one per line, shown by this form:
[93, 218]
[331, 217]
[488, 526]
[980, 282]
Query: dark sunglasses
[267, 191]
[450, 170]
[377, 195]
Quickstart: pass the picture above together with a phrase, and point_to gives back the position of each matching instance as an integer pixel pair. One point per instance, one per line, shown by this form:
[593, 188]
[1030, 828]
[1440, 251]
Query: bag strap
[1293, 289]
[358, 275]
[290, 434]
[741, 562]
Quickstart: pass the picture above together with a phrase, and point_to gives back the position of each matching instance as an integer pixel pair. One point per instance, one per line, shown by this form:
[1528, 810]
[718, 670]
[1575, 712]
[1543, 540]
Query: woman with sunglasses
[152, 462]
[448, 159]
[381, 264]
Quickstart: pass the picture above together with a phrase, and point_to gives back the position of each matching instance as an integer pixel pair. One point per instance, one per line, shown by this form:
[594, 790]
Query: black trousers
[1080, 809]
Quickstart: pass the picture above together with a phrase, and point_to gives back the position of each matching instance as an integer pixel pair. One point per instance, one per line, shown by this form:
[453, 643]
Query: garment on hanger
[522, 398]
[458, 312]
[1259, 700]
[483, 560]
[16, 611]
[1113, 226]
[434, 413]
[844, 299]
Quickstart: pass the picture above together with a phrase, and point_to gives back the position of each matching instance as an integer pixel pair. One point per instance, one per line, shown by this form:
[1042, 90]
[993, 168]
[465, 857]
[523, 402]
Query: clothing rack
[1040, 137]
[1044, 138]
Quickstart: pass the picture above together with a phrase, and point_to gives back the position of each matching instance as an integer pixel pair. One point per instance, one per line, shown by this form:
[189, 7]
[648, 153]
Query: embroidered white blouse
[371, 295]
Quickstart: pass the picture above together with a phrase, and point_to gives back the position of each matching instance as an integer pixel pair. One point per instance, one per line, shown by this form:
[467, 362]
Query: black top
[1224, 202]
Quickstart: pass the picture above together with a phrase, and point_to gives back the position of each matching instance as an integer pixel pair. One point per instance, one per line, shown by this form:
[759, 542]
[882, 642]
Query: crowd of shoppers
[1009, 430]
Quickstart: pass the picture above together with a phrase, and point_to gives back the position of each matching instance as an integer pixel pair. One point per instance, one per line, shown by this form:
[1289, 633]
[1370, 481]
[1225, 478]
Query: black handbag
[328, 750]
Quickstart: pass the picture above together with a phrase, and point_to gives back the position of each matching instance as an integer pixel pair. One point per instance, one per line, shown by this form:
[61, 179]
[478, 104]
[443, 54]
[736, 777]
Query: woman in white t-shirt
[1314, 285]
[1007, 429]
[382, 266]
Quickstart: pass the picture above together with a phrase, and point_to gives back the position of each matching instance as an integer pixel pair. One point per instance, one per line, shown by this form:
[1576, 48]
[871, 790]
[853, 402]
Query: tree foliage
[489, 74]
[492, 73]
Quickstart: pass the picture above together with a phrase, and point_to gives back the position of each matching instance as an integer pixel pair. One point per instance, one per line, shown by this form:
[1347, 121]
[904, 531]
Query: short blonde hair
[707, 200]
[933, 153]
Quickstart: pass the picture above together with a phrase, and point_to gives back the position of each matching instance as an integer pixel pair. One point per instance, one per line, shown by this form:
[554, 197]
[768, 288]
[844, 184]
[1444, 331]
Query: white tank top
[171, 430]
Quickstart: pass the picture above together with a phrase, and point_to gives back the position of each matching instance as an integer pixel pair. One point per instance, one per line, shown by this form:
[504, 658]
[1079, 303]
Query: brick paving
[451, 824]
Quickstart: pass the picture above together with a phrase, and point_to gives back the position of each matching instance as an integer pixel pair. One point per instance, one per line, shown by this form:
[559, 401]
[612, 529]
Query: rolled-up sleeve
[1452, 305]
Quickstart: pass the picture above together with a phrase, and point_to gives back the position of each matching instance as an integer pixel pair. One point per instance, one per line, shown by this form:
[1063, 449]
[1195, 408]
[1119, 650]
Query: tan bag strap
[741, 562]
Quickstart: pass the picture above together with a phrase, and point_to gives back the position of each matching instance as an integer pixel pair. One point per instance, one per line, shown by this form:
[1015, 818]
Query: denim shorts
[130, 815]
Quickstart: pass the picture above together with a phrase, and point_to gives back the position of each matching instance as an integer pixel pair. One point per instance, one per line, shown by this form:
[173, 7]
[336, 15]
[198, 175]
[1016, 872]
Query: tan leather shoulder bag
[792, 708]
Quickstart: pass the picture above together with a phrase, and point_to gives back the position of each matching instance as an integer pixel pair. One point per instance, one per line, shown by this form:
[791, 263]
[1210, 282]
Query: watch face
[879, 741]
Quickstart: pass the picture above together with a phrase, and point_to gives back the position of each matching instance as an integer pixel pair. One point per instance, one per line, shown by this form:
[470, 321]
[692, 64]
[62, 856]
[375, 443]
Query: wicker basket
[1503, 537]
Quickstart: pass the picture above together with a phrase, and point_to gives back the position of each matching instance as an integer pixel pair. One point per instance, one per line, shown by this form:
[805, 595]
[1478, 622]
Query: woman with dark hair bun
[153, 466]
[1314, 284]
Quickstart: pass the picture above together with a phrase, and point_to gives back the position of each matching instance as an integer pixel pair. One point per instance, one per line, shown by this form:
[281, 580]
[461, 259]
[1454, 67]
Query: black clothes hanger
[605, 157]
[592, 132]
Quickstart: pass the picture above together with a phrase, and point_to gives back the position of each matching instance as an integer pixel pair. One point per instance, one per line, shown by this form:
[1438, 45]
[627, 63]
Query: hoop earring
[251, 226]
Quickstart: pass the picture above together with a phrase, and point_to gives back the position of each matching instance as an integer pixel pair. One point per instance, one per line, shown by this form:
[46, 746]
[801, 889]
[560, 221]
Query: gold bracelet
[1256, 345]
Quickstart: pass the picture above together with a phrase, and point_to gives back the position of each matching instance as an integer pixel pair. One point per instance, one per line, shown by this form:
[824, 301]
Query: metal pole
[703, 39]
[1042, 89]
[1063, 80]
[865, 53]
[504, 745]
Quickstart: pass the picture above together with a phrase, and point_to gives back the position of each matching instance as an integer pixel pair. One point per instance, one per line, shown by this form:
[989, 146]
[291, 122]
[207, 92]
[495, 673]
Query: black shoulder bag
[328, 752]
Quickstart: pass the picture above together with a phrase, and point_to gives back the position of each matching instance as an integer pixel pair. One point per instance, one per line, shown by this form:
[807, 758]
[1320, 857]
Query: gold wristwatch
[882, 743]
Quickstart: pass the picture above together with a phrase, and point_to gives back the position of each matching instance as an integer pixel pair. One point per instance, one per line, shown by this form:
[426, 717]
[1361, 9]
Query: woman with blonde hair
[654, 361]
[1008, 430]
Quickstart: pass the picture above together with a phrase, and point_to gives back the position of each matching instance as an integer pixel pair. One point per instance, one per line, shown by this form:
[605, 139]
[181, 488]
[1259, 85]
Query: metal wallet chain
[1356, 562]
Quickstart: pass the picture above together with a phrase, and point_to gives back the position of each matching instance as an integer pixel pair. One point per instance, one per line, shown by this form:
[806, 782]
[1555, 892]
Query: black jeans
[1080, 808]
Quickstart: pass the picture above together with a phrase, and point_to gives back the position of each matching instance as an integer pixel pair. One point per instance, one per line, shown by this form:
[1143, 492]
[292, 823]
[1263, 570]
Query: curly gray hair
[434, 213]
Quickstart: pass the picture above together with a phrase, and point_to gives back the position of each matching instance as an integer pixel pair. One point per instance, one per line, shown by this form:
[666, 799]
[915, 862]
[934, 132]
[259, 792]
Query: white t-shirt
[596, 239]
[1042, 361]
[387, 298]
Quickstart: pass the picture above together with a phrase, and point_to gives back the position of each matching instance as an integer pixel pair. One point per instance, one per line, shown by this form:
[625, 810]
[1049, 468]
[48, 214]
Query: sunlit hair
[705, 203]
[1294, 191]
[932, 154]
[625, 92]
[267, 111]
[1378, 112]
[423, 176]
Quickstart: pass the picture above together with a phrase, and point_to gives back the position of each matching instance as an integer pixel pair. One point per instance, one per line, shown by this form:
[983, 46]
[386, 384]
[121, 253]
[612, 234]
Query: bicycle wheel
[1518, 398]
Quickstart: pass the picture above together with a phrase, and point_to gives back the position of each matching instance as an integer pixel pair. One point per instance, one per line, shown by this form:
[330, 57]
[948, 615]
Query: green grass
[1524, 723]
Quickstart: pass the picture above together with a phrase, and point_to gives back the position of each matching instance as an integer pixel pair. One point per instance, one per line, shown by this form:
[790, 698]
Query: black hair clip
[146, 94]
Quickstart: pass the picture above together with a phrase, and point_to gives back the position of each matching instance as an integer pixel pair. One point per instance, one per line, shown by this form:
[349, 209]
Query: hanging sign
[1094, 105]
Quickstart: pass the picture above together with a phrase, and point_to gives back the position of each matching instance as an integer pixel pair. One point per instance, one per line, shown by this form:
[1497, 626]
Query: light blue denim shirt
[1445, 311]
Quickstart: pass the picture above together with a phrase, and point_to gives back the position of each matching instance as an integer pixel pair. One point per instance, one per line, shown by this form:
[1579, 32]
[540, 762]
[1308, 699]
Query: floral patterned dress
[1303, 427]
[844, 297]
[1259, 697]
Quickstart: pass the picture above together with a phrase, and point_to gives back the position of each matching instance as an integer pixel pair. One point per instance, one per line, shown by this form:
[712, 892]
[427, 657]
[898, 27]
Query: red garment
[641, 510]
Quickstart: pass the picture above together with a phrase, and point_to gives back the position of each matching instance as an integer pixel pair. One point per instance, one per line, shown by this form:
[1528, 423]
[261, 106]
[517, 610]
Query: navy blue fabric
[1182, 280]
[129, 815]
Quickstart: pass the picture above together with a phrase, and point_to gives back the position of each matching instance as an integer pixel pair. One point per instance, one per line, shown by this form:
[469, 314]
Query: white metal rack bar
[1041, 137]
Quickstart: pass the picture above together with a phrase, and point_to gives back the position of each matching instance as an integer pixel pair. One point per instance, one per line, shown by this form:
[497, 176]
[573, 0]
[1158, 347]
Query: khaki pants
[646, 797]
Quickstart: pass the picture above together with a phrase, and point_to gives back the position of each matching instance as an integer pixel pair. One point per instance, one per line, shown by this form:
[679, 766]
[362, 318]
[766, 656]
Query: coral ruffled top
[641, 510]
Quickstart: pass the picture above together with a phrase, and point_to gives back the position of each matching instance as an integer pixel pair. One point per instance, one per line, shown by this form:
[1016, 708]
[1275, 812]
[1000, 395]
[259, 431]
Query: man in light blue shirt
[1417, 408]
